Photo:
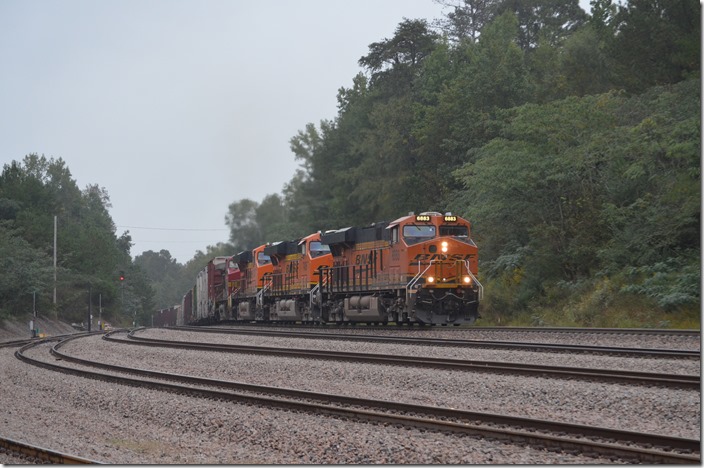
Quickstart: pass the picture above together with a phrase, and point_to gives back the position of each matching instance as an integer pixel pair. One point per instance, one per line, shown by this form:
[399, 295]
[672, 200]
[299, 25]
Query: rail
[552, 435]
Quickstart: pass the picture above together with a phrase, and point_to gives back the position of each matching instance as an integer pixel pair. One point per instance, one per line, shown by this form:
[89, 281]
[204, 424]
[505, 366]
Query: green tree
[656, 42]
[27, 270]
[394, 62]
[164, 274]
[587, 188]
[245, 232]
[553, 20]
[467, 18]
[89, 254]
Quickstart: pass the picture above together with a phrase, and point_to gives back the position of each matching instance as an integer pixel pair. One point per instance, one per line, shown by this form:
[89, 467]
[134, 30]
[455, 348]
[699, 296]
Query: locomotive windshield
[263, 259]
[413, 234]
[454, 231]
[317, 249]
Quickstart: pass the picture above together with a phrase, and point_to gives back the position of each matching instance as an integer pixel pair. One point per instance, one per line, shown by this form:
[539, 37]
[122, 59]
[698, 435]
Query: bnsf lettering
[363, 259]
[429, 257]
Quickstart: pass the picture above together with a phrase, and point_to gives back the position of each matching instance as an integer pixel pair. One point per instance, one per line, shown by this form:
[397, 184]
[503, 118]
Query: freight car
[167, 317]
[417, 269]
[210, 299]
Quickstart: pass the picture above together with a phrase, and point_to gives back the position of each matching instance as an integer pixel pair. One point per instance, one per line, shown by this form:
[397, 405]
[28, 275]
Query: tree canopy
[90, 256]
[570, 140]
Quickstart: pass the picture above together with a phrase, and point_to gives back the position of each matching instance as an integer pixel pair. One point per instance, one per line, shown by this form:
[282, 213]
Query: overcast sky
[178, 108]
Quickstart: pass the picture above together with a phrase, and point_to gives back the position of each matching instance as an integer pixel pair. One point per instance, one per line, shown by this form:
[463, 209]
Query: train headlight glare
[431, 279]
[444, 246]
[467, 280]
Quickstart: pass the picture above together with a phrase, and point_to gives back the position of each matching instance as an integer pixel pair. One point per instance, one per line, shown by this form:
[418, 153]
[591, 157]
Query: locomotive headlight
[444, 247]
[467, 280]
[431, 279]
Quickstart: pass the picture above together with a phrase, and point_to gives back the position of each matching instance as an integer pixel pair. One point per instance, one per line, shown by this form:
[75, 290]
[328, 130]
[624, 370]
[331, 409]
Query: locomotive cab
[442, 259]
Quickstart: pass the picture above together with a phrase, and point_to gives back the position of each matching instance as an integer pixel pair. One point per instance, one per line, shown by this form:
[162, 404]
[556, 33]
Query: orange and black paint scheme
[292, 296]
[279, 281]
[418, 268]
[255, 268]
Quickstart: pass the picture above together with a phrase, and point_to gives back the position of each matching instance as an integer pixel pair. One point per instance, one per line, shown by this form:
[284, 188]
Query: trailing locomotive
[417, 269]
[279, 279]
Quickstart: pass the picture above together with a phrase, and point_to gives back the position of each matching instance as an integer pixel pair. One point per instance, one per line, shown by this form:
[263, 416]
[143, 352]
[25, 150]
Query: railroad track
[556, 436]
[598, 331]
[24, 341]
[15, 343]
[692, 382]
[34, 455]
[449, 329]
[540, 347]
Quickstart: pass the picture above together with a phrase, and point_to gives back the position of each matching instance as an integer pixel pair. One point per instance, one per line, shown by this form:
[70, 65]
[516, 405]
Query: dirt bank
[18, 328]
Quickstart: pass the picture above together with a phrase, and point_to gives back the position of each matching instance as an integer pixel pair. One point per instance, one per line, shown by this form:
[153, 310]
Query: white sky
[178, 108]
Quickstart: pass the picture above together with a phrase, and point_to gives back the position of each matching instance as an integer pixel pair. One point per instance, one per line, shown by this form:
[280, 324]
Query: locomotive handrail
[260, 293]
[313, 292]
[474, 278]
[416, 278]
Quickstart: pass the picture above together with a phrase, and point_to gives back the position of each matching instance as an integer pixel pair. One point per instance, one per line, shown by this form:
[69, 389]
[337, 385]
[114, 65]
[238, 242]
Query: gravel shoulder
[123, 425]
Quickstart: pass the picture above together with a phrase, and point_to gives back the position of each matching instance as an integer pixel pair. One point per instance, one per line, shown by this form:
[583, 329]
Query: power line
[169, 229]
[172, 242]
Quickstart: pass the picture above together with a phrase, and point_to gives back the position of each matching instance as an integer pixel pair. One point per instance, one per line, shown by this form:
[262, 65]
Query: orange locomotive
[280, 280]
[292, 296]
[255, 267]
[418, 268]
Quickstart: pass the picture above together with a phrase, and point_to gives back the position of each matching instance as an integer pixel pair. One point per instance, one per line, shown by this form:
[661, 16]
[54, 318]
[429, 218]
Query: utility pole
[90, 309]
[55, 225]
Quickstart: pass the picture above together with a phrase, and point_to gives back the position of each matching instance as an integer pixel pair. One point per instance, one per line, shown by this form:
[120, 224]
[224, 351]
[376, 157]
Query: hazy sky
[178, 108]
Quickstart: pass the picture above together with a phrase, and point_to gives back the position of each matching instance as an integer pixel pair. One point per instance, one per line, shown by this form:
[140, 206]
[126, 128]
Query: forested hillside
[570, 140]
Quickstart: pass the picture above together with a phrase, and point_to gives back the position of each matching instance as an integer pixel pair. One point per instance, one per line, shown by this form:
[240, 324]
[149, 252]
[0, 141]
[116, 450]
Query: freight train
[419, 269]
